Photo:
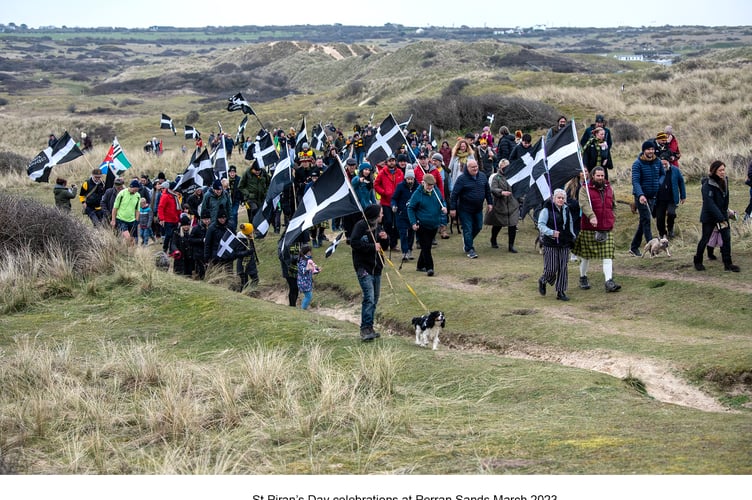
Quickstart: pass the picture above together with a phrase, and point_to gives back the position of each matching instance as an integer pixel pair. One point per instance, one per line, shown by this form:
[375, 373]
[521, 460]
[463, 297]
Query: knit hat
[165, 185]
[372, 212]
[232, 168]
[429, 179]
[648, 145]
[401, 157]
[221, 214]
[246, 229]
[599, 118]
[185, 220]
[409, 174]
[134, 184]
[438, 157]
[217, 184]
[661, 136]
[363, 166]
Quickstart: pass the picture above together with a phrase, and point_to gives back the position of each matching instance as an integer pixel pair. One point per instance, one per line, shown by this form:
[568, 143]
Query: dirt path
[660, 379]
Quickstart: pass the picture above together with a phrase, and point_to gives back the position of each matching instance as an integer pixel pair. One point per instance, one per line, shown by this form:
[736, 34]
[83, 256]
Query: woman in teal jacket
[426, 211]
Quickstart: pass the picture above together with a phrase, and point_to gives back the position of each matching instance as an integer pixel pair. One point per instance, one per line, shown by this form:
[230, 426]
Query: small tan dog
[656, 246]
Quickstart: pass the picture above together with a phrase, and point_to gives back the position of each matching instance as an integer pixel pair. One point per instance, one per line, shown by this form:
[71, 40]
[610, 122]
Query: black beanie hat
[372, 212]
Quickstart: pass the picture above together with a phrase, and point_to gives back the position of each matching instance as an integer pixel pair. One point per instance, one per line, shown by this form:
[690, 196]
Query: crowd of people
[410, 200]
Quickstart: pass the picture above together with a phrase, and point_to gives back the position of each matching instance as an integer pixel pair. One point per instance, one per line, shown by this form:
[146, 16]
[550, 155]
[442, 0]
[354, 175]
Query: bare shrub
[625, 131]
[12, 162]
[130, 102]
[27, 225]
[354, 88]
[192, 117]
[458, 112]
[455, 86]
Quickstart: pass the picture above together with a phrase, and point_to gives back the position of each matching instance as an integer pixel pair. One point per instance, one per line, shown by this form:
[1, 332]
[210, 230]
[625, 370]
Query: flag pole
[548, 179]
[582, 164]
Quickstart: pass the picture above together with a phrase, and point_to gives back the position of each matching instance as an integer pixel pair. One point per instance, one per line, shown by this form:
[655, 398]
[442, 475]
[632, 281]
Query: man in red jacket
[386, 182]
[169, 211]
[595, 240]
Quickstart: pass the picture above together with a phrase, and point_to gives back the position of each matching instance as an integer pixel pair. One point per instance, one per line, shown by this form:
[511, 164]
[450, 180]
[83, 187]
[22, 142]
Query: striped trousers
[555, 261]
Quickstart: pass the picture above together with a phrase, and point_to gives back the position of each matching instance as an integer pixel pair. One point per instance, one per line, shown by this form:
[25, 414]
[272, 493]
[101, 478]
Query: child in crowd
[145, 218]
[306, 269]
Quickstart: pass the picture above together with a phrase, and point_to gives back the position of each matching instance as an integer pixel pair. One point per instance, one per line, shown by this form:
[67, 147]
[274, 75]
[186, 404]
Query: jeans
[146, 235]
[371, 286]
[643, 227]
[96, 216]
[471, 223]
[307, 297]
[169, 229]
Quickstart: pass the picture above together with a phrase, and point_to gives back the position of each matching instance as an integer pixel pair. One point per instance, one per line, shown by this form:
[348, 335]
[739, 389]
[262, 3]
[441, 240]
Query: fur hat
[372, 212]
[648, 145]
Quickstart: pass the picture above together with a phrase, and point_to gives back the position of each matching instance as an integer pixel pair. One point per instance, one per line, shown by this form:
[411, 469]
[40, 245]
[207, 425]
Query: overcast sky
[194, 13]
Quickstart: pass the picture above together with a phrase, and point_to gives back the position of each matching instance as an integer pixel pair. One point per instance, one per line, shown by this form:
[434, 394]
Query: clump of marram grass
[45, 252]
[135, 409]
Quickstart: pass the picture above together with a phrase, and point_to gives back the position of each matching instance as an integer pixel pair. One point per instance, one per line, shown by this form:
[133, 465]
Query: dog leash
[409, 288]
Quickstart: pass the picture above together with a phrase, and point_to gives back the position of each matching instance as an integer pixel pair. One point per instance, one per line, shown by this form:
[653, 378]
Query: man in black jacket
[366, 240]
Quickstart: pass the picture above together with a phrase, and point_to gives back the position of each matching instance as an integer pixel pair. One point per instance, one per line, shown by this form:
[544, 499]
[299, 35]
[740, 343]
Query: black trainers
[635, 252]
[542, 287]
[612, 286]
[584, 283]
[562, 296]
[429, 272]
[732, 268]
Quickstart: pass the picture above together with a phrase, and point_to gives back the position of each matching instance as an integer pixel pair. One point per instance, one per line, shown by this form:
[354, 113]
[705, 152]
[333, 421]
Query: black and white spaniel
[429, 326]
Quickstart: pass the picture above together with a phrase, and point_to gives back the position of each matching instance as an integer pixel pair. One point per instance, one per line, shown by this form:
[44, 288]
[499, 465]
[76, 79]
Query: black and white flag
[281, 178]
[404, 124]
[490, 119]
[63, 151]
[430, 136]
[167, 123]
[199, 174]
[238, 103]
[559, 161]
[333, 247]
[301, 137]
[318, 139]
[241, 129]
[519, 171]
[191, 132]
[229, 246]
[386, 141]
[328, 198]
[264, 151]
[219, 159]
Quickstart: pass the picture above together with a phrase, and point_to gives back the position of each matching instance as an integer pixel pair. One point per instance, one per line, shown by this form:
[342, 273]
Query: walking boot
[711, 253]
[698, 263]
[728, 266]
[512, 231]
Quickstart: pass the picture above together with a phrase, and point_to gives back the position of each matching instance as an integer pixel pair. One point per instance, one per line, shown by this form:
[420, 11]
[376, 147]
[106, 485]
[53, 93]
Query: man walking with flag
[366, 241]
[90, 196]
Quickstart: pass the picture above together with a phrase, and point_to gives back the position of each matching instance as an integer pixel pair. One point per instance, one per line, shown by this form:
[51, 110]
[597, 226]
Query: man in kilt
[595, 240]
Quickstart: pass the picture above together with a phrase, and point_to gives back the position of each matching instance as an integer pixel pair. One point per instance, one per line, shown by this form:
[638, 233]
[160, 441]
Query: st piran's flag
[166, 122]
[229, 246]
[329, 197]
[199, 174]
[63, 151]
[281, 178]
[238, 103]
[386, 141]
[191, 132]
